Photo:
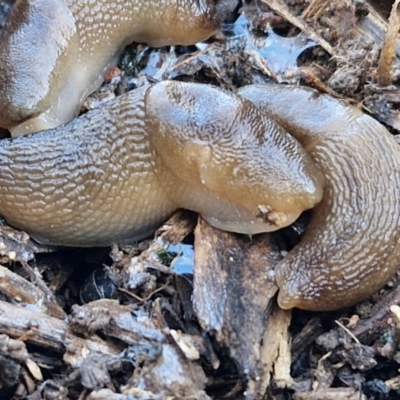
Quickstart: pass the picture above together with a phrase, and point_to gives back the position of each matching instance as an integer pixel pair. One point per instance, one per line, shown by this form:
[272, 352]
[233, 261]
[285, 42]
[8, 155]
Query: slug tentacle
[350, 248]
[44, 82]
[224, 145]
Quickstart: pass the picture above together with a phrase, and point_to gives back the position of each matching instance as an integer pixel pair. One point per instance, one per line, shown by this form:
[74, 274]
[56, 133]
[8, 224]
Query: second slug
[54, 53]
[351, 246]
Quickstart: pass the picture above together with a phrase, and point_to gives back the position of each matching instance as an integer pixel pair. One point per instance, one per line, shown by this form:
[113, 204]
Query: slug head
[311, 284]
[322, 272]
[229, 148]
[297, 284]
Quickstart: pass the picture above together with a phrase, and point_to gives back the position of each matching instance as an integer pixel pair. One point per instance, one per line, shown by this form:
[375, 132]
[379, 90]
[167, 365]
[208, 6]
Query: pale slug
[53, 53]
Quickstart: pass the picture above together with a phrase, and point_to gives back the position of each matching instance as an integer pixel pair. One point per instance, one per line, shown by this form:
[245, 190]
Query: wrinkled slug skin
[350, 249]
[53, 53]
[116, 173]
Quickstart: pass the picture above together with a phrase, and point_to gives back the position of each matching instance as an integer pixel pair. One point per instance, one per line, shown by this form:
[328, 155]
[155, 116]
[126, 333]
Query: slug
[43, 83]
[118, 172]
[350, 248]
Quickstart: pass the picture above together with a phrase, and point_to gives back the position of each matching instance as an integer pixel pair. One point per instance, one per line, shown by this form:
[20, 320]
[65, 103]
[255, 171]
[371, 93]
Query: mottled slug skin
[53, 53]
[350, 248]
[116, 173]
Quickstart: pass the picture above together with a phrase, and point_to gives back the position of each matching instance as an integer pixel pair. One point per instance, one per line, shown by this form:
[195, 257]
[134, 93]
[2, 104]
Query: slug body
[116, 173]
[53, 53]
[351, 247]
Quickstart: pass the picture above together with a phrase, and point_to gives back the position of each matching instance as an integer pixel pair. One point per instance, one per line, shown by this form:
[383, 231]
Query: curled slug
[53, 53]
[116, 173]
[350, 248]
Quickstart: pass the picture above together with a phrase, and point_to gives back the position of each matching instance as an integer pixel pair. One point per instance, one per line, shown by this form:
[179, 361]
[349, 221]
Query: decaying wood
[44, 331]
[20, 290]
[234, 299]
[373, 27]
[16, 245]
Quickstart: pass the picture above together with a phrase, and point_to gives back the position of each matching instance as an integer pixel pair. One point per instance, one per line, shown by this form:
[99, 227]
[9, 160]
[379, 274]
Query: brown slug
[116, 173]
[351, 247]
[53, 53]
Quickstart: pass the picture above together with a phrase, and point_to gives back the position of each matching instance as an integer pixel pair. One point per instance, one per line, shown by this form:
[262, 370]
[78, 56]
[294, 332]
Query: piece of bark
[46, 332]
[373, 27]
[177, 227]
[170, 376]
[114, 320]
[164, 364]
[234, 298]
[275, 352]
[18, 288]
[16, 245]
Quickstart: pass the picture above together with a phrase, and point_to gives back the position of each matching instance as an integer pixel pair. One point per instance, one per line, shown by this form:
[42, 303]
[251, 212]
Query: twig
[347, 331]
[388, 52]
[283, 11]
